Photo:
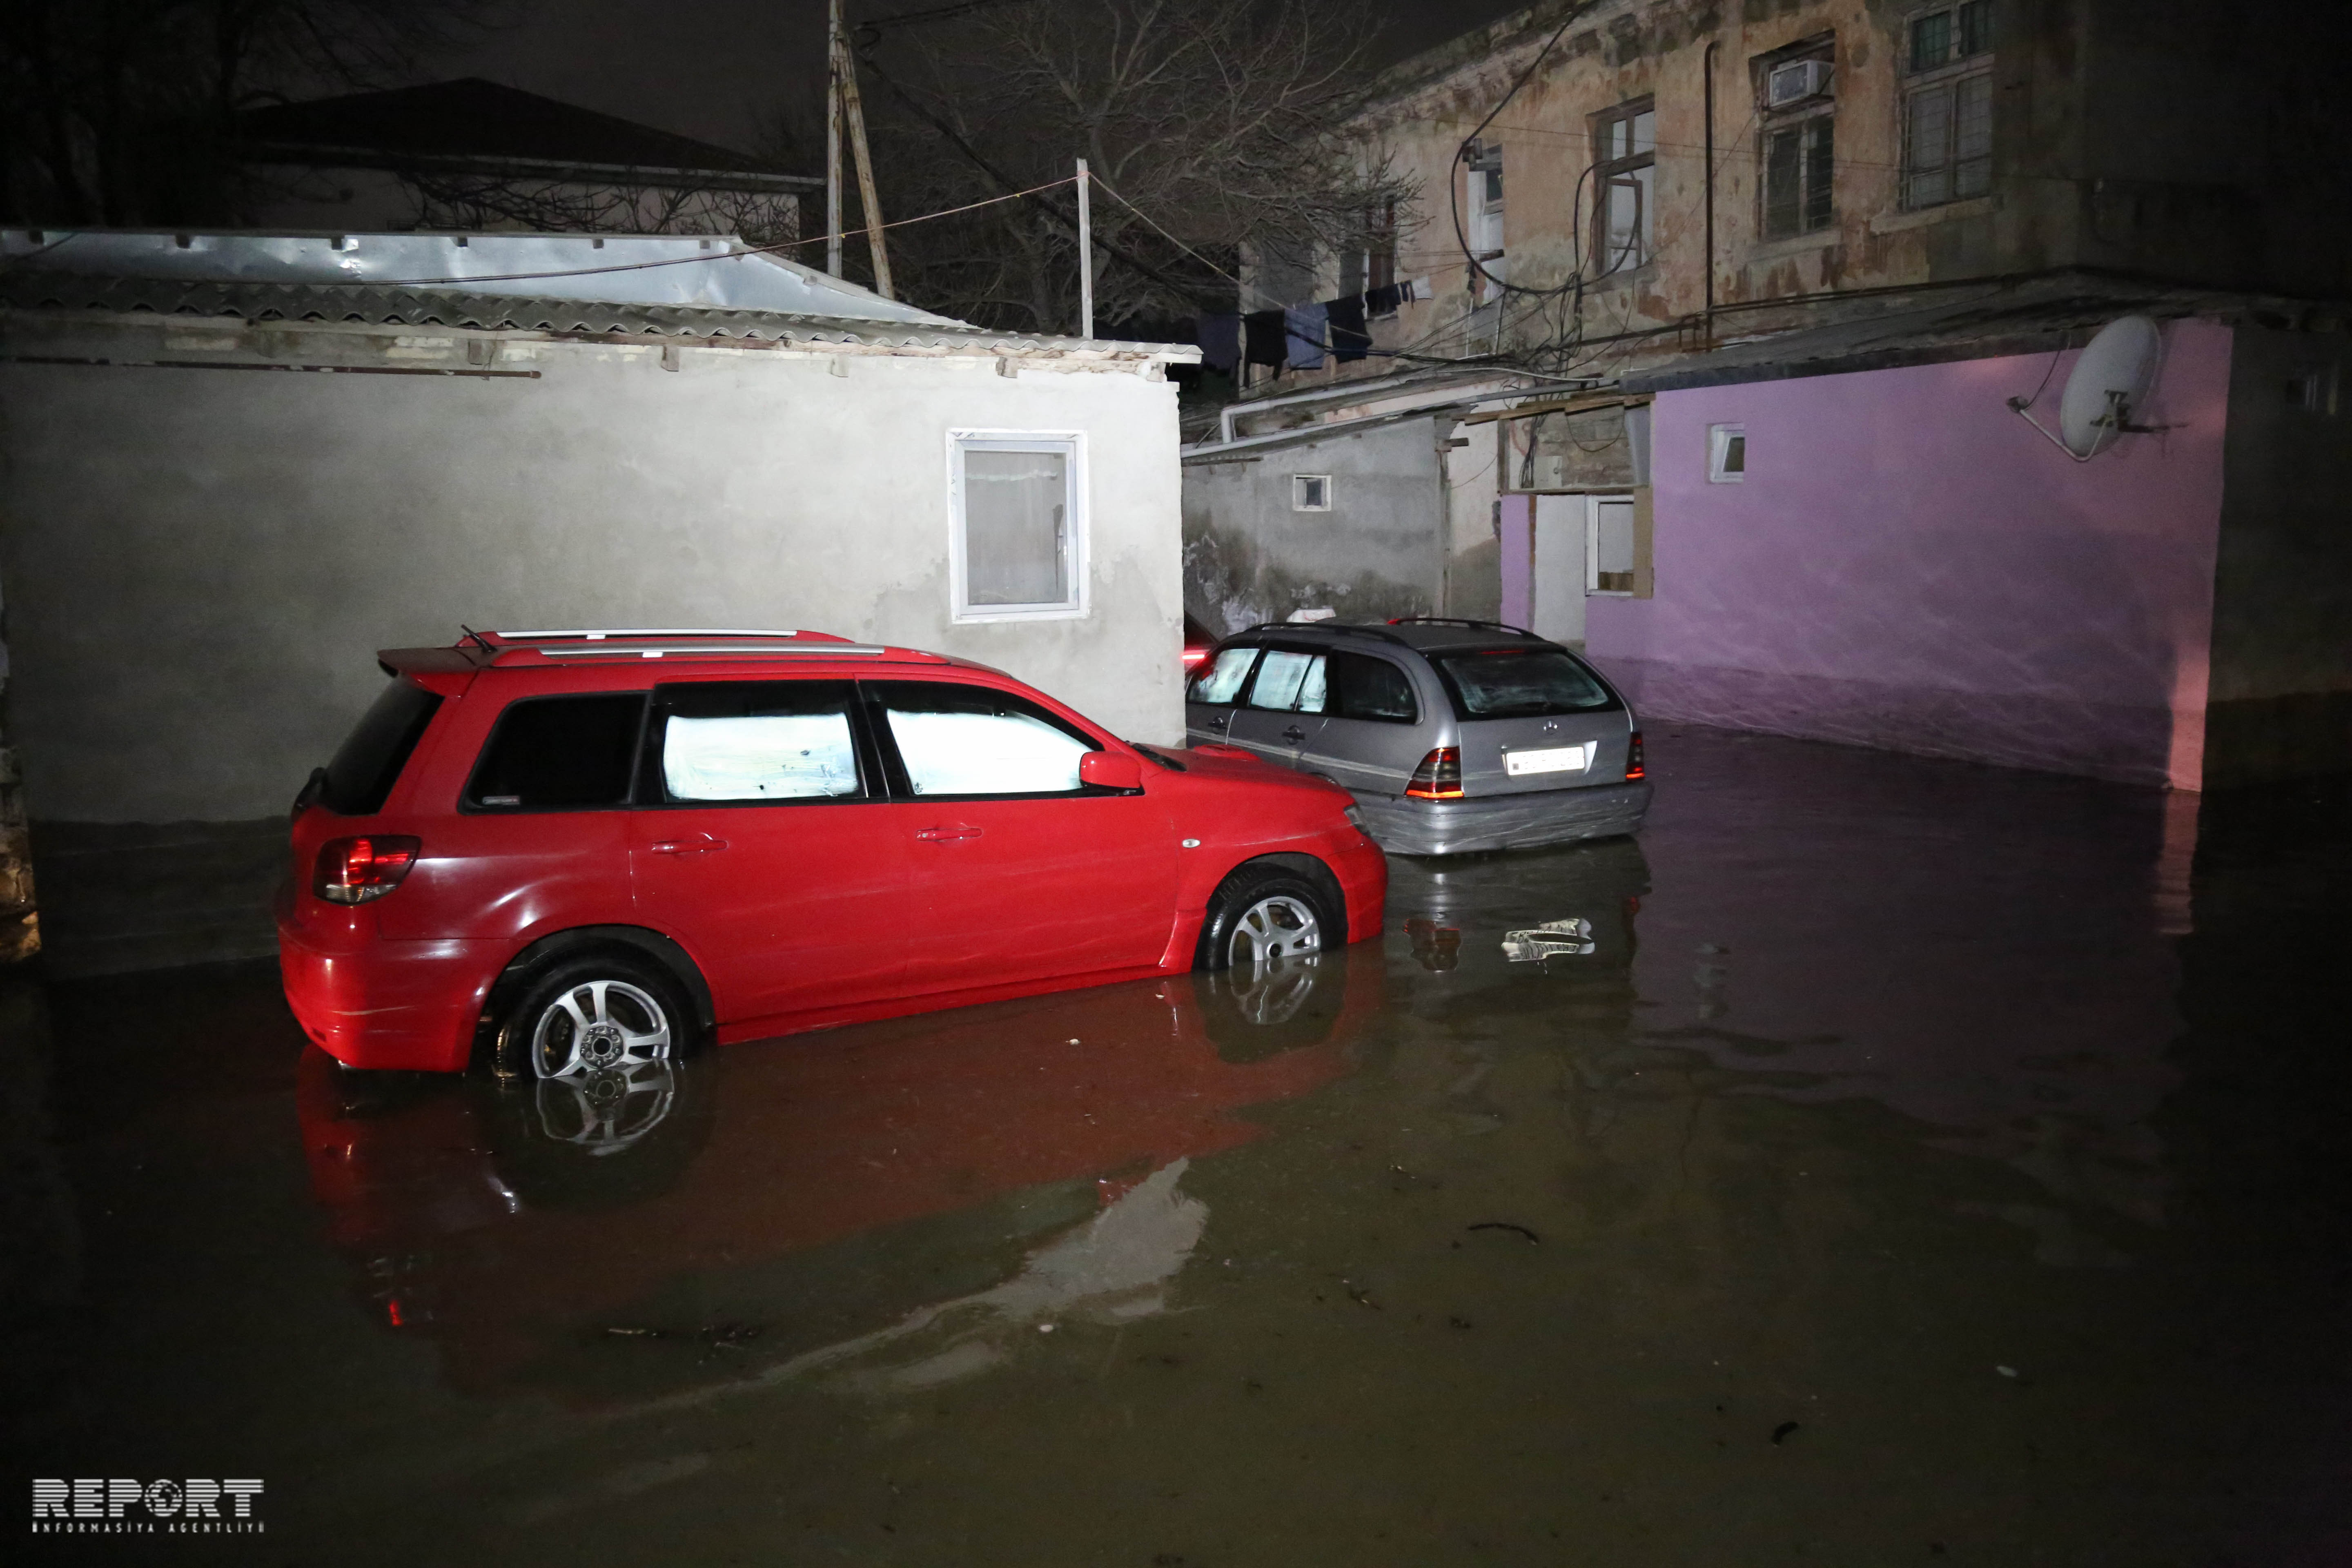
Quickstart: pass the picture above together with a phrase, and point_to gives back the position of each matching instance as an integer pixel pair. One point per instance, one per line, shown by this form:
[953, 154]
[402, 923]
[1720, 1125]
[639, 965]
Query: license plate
[1550, 760]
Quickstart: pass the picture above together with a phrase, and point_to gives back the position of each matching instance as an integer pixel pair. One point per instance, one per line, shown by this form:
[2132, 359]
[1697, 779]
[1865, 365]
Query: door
[1608, 545]
[1562, 526]
[1210, 697]
[1019, 872]
[768, 846]
[1281, 711]
[1371, 737]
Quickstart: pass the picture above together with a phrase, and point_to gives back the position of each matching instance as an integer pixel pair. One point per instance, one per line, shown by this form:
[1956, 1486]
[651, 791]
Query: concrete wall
[1381, 551]
[2282, 695]
[1908, 565]
[200, 566]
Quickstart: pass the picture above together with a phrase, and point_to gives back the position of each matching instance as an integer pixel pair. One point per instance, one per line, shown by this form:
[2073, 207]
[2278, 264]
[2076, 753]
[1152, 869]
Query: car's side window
[752, 742]
[1289, 681]
[558, 754]
[963, 740]
[1222, 682]
[1363, 686]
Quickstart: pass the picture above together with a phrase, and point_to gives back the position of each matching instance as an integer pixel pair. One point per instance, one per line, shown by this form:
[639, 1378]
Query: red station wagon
[573, 853]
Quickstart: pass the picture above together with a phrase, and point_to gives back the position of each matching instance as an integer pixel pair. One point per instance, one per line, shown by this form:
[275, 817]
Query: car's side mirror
[1111, 770]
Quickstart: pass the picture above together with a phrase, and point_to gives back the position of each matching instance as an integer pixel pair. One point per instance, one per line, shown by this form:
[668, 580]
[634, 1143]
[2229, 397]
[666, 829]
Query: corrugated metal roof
[618, 269]
[26, 289]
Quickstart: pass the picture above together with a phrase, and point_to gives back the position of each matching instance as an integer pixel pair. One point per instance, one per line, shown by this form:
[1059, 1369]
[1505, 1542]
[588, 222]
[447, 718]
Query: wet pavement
[1877, 1160]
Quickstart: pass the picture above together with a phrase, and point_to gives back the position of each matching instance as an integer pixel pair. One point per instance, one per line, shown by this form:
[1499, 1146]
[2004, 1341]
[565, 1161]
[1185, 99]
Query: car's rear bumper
[1407, 826]
[370, 1002]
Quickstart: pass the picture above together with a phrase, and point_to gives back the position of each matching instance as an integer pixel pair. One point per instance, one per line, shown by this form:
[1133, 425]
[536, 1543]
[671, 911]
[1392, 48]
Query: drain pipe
[1707, 67]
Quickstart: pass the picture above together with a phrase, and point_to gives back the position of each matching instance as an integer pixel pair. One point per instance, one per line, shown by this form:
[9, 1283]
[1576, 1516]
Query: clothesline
[1299, 337]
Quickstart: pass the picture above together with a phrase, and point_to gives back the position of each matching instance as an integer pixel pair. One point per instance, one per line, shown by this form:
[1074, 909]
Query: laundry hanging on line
[1306, 325]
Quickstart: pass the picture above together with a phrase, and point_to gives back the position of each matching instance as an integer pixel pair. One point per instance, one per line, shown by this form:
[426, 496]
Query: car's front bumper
[1408, 826]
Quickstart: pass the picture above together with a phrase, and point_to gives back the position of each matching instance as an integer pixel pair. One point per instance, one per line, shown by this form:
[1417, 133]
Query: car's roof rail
[496, 647]
[1464, 621]
[596, 635]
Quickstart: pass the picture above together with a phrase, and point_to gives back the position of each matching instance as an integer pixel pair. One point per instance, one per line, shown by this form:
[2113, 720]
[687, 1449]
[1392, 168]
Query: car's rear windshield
[368, 763]
[1520, 683]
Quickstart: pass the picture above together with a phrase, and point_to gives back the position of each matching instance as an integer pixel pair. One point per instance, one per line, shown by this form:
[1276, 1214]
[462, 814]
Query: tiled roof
[471, 119]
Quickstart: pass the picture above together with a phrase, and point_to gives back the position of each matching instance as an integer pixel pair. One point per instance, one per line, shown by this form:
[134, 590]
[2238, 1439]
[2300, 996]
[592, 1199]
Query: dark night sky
[713, 68]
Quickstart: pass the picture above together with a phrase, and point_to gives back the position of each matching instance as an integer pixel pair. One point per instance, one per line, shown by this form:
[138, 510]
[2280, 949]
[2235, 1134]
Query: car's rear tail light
[354, 870]
[1439, 777]
[1633, 768]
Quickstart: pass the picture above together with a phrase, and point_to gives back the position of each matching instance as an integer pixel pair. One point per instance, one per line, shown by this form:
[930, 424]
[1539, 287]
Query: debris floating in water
[1570, 937]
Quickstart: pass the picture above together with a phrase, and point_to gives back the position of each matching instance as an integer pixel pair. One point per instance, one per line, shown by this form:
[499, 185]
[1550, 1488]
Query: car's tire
[1266, 910]
[600, 1010]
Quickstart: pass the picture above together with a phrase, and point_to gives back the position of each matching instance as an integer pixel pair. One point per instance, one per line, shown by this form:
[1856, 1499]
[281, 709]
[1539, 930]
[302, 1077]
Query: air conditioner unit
[1795, 82]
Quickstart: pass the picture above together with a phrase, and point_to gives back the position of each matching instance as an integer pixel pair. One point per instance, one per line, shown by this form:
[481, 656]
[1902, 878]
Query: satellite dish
[2105, 391]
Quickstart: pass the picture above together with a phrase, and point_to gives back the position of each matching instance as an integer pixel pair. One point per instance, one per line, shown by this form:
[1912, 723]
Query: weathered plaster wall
[1907, 565]
[2281, 699]
[200, 566]
[1624, 49]
[1380, 551]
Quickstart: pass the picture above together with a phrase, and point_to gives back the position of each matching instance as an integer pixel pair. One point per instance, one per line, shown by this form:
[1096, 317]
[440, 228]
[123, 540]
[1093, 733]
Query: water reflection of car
[799, 1191]
[573, 853]
[1452, 735]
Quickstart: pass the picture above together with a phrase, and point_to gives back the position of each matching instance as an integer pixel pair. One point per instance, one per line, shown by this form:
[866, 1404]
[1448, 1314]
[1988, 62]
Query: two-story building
[1781, 267]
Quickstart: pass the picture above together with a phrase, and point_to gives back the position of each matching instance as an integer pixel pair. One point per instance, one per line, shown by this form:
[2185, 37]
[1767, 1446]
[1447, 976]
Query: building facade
[1780, 266]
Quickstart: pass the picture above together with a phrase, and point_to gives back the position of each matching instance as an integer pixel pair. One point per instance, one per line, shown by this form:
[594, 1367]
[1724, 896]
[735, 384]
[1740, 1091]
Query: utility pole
[1085, 252]
[833, 140]
[853, 118]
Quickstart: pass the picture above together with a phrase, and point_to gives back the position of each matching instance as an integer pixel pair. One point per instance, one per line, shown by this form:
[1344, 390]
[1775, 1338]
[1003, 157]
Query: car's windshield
[1513, 683]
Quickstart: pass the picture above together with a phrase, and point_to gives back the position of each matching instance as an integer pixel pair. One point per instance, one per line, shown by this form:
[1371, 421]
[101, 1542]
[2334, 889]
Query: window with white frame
[1625, 171]
[1726, 454]
[1310, 492]
[1016, 509]
[1948, 104]
[1483, 217]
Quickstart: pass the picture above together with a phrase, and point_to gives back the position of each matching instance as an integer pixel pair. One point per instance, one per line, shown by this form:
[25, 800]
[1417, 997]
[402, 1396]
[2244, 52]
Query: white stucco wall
[200, 566]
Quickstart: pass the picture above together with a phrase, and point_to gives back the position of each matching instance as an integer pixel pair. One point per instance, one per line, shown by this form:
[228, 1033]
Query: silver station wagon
[1452, 735]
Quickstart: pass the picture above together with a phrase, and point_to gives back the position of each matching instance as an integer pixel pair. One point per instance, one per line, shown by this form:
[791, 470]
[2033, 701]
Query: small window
[1482, 216]
[1019, 550]
[559, 753]
[751, 742]
[1310, 492]
[1289, 681]
[1221, 683]
[1726, 454]
[368, 763]
[1362, 686]
[973, 741]
[1380, 252]
[1625, 143]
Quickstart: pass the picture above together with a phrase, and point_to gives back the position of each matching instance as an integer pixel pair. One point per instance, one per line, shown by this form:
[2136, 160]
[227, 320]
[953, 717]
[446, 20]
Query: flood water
[1877, 1160]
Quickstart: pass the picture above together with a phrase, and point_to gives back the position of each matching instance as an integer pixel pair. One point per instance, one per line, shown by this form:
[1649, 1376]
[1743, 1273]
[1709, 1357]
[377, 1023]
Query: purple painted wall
[1908, 565]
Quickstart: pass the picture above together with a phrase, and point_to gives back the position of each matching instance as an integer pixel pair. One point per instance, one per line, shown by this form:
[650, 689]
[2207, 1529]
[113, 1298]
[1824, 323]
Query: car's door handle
[698, 844]
[942, 835]
[1294, 734]
[1215, 723]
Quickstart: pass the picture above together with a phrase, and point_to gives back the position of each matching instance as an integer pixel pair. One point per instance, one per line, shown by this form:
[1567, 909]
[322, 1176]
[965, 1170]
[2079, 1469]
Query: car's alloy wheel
[593, 1017]
[1267, 913]
[1276, 927]
[598, 1027]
